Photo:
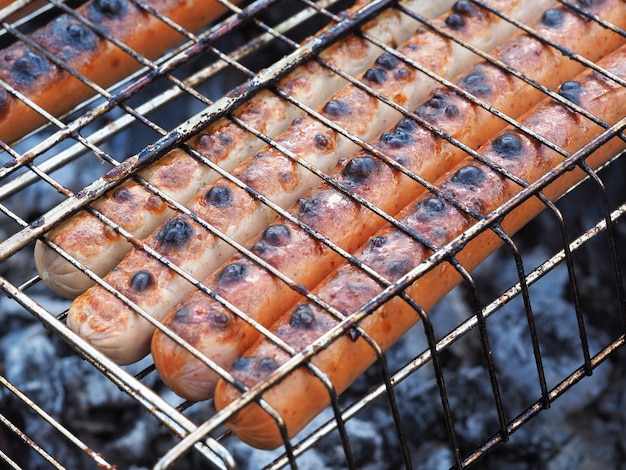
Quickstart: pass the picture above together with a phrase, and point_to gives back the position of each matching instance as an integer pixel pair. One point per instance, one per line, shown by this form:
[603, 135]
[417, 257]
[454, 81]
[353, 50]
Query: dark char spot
[219, 319]
[336, 108]
[508, 145]
[183, 315]
[307, 206]
[476, 84]
[438, 106]
[469, 176]
[112, 9]
[429, 208]
[407, 125]
[302, 317]
[455, 21]
[321, 141]
[175, 233]
[121, 195]
[571, 90]
[277, 234]
[225, 139]
[376, 75]
[399, 267]
[387, 61]
[219, 196]
[260, 247]
[28, 67]
[74, 34]
[401, 74]
[242, 363]
[359, 168]
[401, 134]
[141, 280]
[552, 18]
[464, 8]
[379, 241]
[268, 364]
[232, 273]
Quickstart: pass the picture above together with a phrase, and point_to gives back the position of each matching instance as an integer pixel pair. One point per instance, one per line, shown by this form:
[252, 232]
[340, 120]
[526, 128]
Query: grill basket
[534, 332]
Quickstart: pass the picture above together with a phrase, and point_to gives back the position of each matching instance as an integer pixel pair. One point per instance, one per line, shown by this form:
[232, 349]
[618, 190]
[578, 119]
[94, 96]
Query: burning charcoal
[561, 349]
[432, 455]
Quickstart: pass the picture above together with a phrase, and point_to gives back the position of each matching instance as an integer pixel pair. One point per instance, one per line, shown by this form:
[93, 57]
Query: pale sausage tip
[121, 345]
[58, 274]
[183, 374]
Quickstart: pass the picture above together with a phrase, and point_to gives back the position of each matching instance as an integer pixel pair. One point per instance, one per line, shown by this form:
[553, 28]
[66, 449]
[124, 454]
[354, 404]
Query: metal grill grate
[173, 98]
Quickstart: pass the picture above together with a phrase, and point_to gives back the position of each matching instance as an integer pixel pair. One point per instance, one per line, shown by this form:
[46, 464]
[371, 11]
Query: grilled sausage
[392, 254]
[220, 335]
[115, 328]
[80, 47]
[180, 175]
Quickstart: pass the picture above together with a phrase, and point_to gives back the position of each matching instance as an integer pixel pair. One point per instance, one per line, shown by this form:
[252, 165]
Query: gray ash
[584, 428]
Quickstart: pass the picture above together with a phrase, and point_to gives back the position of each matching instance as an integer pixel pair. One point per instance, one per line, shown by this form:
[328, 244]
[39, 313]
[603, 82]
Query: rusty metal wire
[71, 140]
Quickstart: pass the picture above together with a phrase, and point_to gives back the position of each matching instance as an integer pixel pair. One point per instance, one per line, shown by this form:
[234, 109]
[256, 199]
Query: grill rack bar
[278, 210]
[463, 329]
[123, 122]
[340, 331]
[167, 415]
[183, 132]
[291, 458]
[98, 459]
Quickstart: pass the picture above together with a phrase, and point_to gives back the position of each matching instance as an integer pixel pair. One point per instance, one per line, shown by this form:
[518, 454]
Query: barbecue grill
[566, 264]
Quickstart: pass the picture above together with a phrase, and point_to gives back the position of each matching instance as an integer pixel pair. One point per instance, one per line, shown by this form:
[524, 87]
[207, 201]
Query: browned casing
[98, 59]
[300, 396]
[219, 334]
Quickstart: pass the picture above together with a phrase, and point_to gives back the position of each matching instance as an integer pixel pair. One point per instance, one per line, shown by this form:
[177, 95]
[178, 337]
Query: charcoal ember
[433, 455]
[76, 395]
[560, 344]
[28, 367]
[366, 444]
[582, 449]
[249, 458]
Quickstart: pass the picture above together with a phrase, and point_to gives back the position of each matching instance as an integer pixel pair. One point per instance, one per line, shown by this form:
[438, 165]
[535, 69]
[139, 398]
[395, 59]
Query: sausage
[81, 48]
[179, 175]
[392, 254]
[113, 327]
[219, 334]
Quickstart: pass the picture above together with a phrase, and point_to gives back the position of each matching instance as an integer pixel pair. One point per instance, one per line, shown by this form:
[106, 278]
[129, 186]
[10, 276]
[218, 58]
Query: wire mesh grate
[173, 98]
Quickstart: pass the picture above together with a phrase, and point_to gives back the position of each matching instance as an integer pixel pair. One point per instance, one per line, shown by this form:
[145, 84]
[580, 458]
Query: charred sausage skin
[83, 49]
[110, 325]
[476, 190]
[226, 143]
[343, 220]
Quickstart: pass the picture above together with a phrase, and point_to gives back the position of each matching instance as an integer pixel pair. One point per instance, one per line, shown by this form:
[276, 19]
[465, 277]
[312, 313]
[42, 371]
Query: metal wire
[13, 180]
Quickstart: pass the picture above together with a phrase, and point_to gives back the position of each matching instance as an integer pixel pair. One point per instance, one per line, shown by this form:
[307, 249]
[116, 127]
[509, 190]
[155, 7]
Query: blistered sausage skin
[115, 328]
[392, 253]
[210, 328]
[179, 175]
[32, 74]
